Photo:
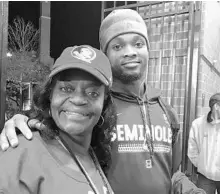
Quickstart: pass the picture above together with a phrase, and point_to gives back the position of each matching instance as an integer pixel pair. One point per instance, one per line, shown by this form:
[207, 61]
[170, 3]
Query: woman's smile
[72, 115]
[77, 102]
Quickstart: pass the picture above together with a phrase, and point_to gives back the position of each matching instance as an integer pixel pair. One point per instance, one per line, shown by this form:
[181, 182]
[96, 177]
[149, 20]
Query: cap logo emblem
[83, 53]
[129, 25]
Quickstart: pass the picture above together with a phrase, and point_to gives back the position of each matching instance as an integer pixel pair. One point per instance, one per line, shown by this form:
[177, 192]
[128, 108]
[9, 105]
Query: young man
[203, 144]
[146, 152]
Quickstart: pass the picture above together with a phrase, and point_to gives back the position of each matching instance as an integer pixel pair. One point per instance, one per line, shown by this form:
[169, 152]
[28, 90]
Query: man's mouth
[131, 64]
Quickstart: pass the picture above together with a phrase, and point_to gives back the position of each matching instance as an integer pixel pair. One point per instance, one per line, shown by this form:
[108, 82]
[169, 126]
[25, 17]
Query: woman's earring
[103, 120]
[49, 113]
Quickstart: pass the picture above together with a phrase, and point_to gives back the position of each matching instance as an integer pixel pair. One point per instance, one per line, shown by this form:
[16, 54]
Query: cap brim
[83, 67]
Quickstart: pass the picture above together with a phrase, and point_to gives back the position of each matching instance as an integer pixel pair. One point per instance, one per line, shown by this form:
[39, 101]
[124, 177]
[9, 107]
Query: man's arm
[176, 154]
[180, 182]
[18, 121]
[182, 185]
[193, 149]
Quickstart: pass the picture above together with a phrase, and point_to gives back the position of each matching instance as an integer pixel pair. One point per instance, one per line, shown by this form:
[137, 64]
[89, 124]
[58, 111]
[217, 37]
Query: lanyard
[64, 143]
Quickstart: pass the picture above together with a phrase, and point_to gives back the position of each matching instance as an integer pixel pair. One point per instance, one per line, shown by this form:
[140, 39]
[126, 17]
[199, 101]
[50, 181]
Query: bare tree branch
[22, 37]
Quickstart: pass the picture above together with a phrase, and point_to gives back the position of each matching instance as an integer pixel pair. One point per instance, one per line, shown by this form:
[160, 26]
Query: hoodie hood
[151, 94]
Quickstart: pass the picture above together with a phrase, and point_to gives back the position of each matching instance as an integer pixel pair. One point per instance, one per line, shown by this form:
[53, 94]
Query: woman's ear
[106, 96]
[51, 93]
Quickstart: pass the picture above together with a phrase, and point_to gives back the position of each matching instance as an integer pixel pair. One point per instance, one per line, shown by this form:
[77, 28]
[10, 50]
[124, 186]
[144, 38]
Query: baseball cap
[86, 58]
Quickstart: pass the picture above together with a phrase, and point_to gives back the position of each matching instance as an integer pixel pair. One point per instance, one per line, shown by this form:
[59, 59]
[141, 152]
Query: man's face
[128, 55]
[217, 109]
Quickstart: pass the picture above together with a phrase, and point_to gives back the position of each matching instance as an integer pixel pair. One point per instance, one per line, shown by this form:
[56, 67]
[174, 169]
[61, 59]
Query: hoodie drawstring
[148, 140]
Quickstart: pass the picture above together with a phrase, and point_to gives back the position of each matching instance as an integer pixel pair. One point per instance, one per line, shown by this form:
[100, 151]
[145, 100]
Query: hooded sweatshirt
[203, 147]
[133, 170]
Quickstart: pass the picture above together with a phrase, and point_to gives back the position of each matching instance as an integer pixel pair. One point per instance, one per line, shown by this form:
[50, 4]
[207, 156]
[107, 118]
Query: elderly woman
[70, 154]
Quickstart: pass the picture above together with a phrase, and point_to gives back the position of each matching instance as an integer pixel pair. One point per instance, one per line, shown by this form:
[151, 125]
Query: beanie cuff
[123, 27]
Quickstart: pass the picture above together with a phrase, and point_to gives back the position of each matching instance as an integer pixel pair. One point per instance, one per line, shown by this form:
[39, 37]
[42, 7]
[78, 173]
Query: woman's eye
[93, 94]
[66, 89]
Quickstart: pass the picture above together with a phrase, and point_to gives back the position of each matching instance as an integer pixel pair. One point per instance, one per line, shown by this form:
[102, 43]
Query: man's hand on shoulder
[8, 134]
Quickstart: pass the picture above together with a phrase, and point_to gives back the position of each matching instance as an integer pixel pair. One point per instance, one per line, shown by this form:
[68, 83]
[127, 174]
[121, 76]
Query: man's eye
[139, 44]
[117, 47]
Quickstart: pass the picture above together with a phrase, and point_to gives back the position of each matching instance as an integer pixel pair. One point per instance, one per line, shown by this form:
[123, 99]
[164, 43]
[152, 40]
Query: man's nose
[130, 51]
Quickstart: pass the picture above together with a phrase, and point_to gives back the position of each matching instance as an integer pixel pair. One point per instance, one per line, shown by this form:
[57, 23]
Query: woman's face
[77, 101]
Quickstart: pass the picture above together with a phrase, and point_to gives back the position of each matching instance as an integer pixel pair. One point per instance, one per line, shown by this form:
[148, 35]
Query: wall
[209, 65]
[168, 36]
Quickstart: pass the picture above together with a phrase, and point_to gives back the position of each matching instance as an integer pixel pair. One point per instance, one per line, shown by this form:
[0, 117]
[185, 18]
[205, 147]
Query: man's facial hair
[126, 78]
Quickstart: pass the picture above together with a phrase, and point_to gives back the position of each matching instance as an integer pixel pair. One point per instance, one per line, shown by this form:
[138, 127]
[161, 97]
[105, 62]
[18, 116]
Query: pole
[3, 59]
[45, 21]
[191, 79]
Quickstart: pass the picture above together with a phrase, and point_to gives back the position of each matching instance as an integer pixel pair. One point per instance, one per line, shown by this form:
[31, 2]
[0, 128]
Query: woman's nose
[78, 99]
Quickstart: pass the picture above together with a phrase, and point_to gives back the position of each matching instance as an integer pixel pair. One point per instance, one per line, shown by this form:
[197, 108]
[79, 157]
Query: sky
[29, 10]
[72, 22]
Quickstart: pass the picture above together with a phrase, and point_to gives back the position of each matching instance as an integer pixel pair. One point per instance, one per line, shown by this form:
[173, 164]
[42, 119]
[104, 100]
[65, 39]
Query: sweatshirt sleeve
[182, 185]
[20, 172]
[176, 154]
[176, 141]
[10, 169]
[193, 149]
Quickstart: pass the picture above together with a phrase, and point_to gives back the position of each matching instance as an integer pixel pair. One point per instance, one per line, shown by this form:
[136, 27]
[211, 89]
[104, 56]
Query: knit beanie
[121, 21]
[214, 99]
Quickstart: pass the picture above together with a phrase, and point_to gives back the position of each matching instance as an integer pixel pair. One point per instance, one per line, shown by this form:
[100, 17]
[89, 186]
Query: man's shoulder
[152, 93]
[200, 120]
[199, 124]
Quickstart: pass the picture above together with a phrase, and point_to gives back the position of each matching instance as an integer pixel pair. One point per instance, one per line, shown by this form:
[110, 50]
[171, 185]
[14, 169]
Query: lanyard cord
[104, 179]
[82, 168]
[147, 140]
